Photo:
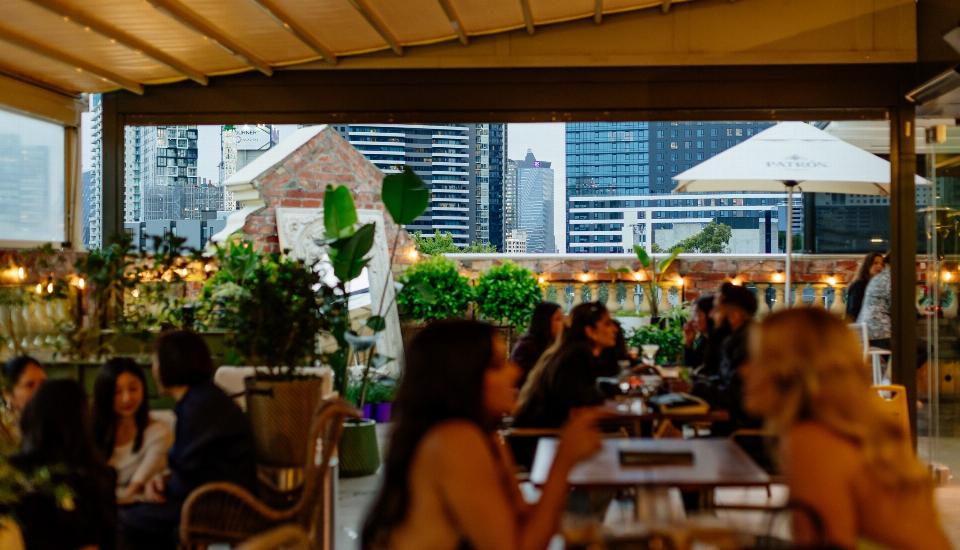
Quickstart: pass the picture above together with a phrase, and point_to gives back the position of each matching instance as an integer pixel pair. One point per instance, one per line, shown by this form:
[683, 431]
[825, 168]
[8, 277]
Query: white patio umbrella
[786, 156]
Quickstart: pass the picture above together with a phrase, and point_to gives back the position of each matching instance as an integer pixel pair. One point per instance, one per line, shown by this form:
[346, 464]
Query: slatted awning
[103, 45]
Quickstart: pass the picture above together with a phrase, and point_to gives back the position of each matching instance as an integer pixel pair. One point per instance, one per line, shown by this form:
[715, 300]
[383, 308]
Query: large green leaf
[642, 255]
[339, 213]
[405, 196]
[665, 263]
[348, 257]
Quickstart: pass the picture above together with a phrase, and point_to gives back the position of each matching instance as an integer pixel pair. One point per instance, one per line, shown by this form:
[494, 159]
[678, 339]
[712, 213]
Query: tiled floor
[355, 494]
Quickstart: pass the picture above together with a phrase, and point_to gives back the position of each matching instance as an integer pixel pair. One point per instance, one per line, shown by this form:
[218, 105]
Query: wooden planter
[280, 413]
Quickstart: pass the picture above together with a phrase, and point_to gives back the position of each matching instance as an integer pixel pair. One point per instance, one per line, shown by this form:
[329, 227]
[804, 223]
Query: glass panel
[31, 179]
[938, 384]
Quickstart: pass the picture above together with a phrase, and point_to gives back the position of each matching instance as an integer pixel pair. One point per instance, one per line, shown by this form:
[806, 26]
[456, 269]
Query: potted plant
[668, 337]
[507, 295]
[271, 307]
[380, 396]
[654, 273]
[405, 197]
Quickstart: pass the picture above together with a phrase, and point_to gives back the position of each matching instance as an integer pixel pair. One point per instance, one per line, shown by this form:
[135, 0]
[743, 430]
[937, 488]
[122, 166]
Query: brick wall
[300, 179]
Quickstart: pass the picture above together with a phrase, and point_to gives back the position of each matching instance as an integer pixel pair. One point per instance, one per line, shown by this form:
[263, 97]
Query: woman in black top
[872, 264]
[565, 377]
[57, 437]
[698, 332]
[546, 324]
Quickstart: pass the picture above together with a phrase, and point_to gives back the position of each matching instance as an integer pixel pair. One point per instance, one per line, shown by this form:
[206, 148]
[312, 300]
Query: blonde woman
[843, 457]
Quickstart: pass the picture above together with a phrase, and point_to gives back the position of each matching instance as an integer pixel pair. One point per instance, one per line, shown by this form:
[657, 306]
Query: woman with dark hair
[56, 436]
[123, 430]
[22, 377]
[872, 264]
[546, 324]
[700, 345]
[448, 482]
[212, 442]
[565, 377]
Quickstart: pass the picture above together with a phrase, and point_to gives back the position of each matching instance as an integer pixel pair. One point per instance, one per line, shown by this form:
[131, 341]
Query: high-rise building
[619, 180]
[161, 161]
[442, 155]
[509, 196]
[535, 203]
[239, 146]
[515, 242]
[486, 183]
[25, 188]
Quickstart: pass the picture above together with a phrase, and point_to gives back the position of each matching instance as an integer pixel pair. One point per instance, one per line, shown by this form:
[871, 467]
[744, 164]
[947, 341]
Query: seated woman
[212, 442]
[546, 324]
[566, 376]
[700, 348]
[56, 436]
[448, 482]
[136, 444]
[845, 459]
[22, 377]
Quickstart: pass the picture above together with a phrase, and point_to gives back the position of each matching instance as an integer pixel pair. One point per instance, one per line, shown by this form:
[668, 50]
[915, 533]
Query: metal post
[903, 247]
[112, 207]
[789, 232]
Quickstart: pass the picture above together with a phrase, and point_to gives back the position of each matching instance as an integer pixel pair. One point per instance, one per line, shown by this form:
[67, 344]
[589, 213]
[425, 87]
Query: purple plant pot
[382, 411]
[367, 411]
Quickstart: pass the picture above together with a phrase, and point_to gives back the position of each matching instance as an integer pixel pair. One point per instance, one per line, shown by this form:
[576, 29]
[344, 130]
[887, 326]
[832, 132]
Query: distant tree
[713, 238]
[657, 249]
[442, 243]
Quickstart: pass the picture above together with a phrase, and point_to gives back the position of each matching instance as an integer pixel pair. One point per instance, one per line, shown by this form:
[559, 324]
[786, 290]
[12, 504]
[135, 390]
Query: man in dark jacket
[733, 311]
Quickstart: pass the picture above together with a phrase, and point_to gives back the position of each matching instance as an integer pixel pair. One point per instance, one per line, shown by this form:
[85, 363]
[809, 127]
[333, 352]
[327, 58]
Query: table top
[635, 409]
[716, 463]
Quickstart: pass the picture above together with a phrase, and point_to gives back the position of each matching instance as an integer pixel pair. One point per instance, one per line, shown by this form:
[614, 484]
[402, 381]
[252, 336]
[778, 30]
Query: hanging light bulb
[81, 284]
[21, 273]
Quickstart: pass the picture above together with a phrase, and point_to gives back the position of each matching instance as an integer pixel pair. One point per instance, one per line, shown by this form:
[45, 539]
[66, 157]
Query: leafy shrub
[434, 289]
[269, 303]
[670, 340]
[507, 294]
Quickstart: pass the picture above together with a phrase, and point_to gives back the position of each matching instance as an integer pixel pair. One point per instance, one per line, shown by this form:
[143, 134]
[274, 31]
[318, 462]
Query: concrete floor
[355, 494]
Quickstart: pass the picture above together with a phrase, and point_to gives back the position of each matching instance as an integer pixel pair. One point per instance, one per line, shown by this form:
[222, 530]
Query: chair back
[325, 431]
[893, 400]
[860, 329]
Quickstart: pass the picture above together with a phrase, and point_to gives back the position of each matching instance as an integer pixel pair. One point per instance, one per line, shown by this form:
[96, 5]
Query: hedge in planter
[507, 294]
[434, 289]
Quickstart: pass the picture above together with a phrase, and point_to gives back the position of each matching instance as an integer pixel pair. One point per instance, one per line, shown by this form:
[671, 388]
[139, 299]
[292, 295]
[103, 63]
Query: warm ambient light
[81, 284]
[21, 273]
[778, 277]
[948, 276]
[541, 279]
[831, 280]
[584, 277]
[135, 293]
[413, 255]
[39, 288]
[736, 281]
[50, 288]
[638, 275]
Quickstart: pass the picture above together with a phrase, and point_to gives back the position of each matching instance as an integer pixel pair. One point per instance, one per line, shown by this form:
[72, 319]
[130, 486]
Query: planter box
[359, 450]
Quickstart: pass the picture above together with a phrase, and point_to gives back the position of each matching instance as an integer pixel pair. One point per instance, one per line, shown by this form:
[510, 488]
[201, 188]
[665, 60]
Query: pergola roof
[103, 45]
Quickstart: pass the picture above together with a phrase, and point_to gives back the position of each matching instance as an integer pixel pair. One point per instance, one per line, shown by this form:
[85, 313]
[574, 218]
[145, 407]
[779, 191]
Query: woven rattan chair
[222, 512]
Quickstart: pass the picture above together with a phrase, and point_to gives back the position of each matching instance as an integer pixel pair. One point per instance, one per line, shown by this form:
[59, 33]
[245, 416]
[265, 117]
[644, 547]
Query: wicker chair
[222, 512]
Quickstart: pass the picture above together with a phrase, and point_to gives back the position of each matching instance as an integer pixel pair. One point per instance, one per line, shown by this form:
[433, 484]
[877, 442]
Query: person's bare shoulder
[455, 437]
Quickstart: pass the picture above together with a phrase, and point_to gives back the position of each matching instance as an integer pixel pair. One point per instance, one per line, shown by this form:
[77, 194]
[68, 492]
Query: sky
[546, 140]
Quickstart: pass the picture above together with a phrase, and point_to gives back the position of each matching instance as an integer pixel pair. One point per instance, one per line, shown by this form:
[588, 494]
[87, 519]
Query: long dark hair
[104, 415]
[56, 427]
[863, 274]
[704, 304]
[540, 324]
[13, 369]
[442, 380]
[574, 334]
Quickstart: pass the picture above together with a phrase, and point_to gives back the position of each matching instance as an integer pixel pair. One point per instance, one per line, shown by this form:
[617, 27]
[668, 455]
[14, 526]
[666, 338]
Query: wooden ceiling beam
[598, 11]
[378, 25]
[18, 74]
[190, 19]
[39, 48]
[71, 13]
[291, 24]
[455, 21]
[527, 16]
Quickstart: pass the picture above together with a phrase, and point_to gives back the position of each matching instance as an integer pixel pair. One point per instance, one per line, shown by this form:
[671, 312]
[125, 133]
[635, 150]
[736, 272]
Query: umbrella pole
[788, 268]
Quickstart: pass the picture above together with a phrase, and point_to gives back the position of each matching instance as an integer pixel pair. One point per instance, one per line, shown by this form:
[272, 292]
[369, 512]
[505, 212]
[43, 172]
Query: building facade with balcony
[619, 180]
[160, 163]
[441, 155]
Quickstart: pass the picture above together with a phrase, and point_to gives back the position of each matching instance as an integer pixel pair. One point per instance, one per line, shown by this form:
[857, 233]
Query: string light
[135, 293]
[39, 288]
[948, 276]
[831, 280]
[778, 277]
[50, 287]
[21, 273]
[638, 275]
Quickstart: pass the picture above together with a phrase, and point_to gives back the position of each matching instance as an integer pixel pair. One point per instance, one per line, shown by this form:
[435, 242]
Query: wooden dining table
[714, 463]
[641, 418]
